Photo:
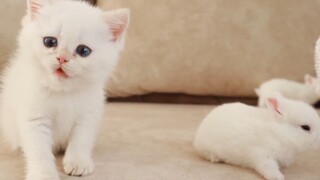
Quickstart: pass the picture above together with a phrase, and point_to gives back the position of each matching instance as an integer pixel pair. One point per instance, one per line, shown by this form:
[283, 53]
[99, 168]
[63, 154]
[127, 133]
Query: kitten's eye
[305, 127]
[83, 50]
[50, 42]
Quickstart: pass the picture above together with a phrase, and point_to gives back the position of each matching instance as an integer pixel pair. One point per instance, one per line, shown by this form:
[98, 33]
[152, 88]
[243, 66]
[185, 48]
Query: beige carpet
[153, 141]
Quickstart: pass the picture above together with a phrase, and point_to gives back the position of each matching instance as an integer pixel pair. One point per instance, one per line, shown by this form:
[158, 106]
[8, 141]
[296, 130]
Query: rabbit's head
[302, 118]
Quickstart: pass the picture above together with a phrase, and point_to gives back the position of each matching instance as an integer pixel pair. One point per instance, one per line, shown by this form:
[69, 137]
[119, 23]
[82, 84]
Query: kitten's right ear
[275, 104]
[34, 6]
[118, 22]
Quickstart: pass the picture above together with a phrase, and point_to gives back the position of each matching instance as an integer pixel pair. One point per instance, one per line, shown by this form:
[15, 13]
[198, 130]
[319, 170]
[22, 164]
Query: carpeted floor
[153, 141]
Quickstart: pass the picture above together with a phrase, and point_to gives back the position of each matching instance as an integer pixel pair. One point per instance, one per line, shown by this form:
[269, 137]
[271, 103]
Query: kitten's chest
[62, 125]
[64, 107]
[65, 112]
[67, 109]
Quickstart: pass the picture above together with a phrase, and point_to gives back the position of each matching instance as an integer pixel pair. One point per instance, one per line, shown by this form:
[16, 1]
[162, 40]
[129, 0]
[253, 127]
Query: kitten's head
[72, 43]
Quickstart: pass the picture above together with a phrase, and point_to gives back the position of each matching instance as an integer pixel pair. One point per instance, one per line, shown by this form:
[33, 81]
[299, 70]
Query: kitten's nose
[62, 60]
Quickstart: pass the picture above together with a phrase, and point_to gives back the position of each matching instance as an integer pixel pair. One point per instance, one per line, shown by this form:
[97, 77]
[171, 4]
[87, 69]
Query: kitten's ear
[275, 103]
[118, 22]
[34, 6]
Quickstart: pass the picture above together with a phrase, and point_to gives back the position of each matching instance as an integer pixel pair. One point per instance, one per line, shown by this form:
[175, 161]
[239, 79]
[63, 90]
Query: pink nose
[62, 60]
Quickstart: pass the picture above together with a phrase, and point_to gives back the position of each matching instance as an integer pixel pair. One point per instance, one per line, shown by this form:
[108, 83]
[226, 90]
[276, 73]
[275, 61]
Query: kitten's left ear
[118, 22]
[34, 6]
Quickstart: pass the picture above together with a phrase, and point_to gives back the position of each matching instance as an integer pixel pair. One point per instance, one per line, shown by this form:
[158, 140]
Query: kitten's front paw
[78, 166]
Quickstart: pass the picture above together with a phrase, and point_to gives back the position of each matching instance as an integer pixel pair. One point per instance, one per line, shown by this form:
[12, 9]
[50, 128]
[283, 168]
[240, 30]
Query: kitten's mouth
[60, 73]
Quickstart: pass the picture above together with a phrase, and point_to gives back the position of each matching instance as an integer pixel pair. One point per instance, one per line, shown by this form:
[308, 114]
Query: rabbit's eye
[305, 127]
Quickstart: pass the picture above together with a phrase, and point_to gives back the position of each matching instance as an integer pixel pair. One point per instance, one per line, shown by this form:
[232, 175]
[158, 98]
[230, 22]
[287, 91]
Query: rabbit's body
[305, 92]
[257, 138]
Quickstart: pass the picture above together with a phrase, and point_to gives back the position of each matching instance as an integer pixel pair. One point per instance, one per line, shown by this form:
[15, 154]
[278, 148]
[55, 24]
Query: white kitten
[291, 89]
[263, 139]
[53, 89]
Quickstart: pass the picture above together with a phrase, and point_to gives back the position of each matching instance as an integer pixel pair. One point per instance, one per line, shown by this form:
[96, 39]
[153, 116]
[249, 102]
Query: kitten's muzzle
[62, 60]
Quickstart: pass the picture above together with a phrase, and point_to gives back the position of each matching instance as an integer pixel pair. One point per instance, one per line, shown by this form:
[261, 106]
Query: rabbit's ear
[308, 79]
[257, 91]
[274, 103]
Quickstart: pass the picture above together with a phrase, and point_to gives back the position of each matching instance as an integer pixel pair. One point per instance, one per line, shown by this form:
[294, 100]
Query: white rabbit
[291, 89]
[263, 139]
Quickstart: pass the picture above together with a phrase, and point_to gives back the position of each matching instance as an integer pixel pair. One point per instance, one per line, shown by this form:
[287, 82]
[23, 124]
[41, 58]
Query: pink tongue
[61, 73]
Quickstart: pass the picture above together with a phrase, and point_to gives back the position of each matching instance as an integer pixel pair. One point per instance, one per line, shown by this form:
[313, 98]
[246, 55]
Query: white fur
[317, 63]
[291, 89]
[317, 57]
[258, 138]
[43, 113]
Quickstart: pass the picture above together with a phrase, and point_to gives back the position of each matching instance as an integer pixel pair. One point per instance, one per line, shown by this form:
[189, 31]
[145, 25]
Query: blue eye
[50, 42]
[83, 50]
